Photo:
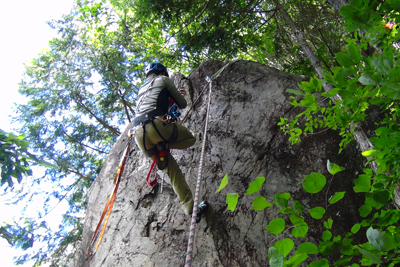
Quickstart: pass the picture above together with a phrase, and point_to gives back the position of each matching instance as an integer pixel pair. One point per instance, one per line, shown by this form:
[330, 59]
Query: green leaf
[300, 231]
[297, 220]
[381, 196]
[355, 228]
[275, 257]
[231, 200]
[380, 241]
[224, 183]
[294, 92]
[255, 186]
[307, 248]
[296, 259]
[319, 263]
[355, 52]
[362, 184]
[371, 255]
[281, 200]
[260, 203]
[343, 261]
[314, 182]
[276, 226]
[344, 59]
[317, 212]
[328, 224]
[326, 235]
[367, 79]
[336, 197]
[298, 207]
[317, 83]
[365, 210]
[334, 168]
[284, 246]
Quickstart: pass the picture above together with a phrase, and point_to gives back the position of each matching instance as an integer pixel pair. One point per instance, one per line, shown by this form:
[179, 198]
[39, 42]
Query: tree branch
[79, 142]
[105, 125]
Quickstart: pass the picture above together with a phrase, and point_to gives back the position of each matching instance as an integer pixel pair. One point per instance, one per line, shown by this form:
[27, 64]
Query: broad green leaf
[328, 224]
[380, 241]
[231, 200]
[297, 220]
[319, 263]
[355, 228]
[381, 196]
[365, 210]
[373, 256]
[346, 249]
[336, 197]
[355, 52]
[314, 182]
[224, 183]
[317, 212]
[334, 168]
[308, 248]
[300, 231]
[281, 200]
[343, 261]
[367, 79]
[344, 59]
[326, 235]
[362, 184]
[255, 186]
[296, 259]
[284, 246]
[298, 207]
[287, 210]
[275, 257]
[260, 203]
[276, 226]
[317, 83]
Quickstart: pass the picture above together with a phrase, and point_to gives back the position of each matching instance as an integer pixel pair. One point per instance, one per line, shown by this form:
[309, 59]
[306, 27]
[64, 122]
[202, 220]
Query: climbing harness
[189, 253]
[110, 202]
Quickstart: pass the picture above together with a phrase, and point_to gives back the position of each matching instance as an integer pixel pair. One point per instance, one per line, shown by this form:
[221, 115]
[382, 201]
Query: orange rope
[110, 202]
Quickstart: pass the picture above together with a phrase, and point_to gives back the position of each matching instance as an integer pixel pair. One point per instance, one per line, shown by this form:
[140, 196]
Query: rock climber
[155, 134]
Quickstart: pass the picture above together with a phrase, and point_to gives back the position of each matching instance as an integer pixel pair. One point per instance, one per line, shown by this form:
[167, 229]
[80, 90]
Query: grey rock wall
[148, 228]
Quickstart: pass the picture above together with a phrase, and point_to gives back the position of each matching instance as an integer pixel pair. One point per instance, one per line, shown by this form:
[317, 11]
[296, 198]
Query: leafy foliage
[382, 245]
[13, 158]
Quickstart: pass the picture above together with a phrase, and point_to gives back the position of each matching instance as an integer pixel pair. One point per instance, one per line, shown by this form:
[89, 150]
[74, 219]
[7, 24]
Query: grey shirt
[154, 96]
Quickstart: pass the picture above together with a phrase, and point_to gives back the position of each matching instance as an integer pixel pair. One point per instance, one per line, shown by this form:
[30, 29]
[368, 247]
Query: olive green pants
[184, 140]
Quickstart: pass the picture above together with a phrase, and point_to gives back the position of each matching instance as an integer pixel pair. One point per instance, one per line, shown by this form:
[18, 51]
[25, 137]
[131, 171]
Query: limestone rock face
[148, 228]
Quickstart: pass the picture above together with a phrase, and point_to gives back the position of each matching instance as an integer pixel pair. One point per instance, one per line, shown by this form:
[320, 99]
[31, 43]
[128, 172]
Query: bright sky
[24, 33]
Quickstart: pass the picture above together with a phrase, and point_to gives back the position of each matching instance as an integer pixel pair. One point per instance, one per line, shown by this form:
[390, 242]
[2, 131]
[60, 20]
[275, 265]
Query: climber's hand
[183, 92]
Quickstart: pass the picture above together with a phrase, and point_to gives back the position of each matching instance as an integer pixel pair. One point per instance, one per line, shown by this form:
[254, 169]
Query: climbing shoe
[201, 208]
[162, 161]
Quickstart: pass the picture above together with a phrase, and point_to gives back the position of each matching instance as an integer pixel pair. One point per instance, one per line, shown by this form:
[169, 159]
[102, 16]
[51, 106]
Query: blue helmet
[157, 68]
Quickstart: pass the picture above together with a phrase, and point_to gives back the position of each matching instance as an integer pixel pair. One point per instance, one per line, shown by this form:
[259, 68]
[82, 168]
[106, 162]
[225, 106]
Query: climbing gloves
[163, 151]
[201, 208]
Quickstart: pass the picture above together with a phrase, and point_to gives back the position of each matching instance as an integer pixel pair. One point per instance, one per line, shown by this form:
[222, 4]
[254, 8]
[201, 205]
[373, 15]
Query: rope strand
[189, 253]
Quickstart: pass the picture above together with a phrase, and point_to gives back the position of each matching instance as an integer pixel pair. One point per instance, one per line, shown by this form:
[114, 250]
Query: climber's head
[156, 68]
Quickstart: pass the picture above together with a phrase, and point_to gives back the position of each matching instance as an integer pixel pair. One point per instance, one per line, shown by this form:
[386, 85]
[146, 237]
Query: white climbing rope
[189, 253]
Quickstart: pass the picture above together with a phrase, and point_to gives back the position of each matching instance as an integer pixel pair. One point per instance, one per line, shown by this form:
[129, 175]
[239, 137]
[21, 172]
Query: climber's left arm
[175, 94]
